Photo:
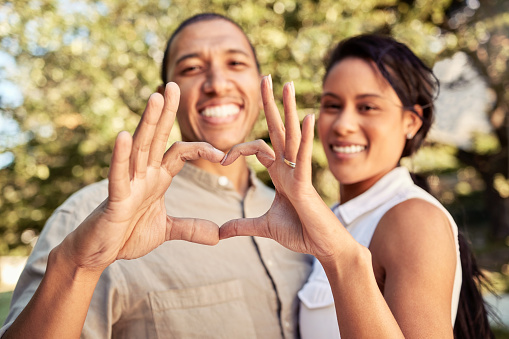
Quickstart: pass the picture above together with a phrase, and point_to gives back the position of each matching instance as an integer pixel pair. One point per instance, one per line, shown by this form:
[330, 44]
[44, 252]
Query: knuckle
[177, 145]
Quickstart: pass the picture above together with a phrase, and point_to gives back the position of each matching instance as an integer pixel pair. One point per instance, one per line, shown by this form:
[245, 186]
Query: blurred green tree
[481, 30]
[86, 69]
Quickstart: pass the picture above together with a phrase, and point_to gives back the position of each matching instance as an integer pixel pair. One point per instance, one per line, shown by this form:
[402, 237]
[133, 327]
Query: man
[241, 288]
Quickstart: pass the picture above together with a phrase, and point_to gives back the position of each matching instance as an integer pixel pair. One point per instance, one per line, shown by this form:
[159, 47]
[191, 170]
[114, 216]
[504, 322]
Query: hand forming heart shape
[132, 221]
[298, 218]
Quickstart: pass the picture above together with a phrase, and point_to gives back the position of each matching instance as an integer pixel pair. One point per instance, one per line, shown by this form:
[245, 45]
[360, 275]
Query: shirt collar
[383, 190]
[213, 182]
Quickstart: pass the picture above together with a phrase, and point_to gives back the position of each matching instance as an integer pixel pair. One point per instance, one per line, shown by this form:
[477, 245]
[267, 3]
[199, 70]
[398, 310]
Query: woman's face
[362, 124]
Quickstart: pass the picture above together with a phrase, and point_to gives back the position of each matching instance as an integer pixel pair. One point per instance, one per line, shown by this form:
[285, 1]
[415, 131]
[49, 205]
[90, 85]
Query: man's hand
[132, 221]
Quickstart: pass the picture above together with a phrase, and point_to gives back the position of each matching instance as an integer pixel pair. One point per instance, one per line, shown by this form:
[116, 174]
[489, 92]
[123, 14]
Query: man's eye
[237, 63]
[191, 69]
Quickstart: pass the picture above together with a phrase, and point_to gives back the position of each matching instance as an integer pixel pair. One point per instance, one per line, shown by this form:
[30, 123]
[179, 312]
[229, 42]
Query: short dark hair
[192, 20]
[411, 79]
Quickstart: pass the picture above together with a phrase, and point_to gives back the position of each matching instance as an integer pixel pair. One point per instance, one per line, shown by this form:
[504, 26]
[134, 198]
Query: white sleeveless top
[361, 216]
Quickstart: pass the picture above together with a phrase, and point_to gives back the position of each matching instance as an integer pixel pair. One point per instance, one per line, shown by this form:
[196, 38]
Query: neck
[349, 191]
[237, 173]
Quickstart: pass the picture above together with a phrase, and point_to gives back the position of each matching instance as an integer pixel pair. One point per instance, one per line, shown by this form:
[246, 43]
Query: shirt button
[269, 263]
[287, 324]
[223, 181]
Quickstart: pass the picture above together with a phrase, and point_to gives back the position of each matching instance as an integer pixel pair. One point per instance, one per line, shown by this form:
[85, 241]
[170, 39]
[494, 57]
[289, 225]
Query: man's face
[214, 66]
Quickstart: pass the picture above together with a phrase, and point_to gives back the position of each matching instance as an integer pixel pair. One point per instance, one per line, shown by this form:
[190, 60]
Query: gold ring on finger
[289, 163]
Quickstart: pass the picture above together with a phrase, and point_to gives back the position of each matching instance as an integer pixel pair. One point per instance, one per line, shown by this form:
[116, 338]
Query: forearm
[361, 309]
[60, 304]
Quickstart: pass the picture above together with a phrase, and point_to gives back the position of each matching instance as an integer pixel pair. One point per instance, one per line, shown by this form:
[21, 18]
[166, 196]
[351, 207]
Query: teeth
[348, 149]
[221, 111]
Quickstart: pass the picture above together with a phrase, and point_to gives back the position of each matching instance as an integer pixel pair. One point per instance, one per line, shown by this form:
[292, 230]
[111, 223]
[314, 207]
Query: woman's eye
[367, 108]
[331, 106]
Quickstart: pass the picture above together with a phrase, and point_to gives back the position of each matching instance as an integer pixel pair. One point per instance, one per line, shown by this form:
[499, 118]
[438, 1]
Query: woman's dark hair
[411, 79]
[193, 20]
[415, 84]
[472, 317]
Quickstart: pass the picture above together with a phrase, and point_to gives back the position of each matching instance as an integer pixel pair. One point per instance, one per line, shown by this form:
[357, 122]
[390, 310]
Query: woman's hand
[132, 221]
[298, 218]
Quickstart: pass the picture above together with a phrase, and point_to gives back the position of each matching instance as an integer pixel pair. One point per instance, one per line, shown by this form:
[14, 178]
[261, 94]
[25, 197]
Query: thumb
[199, 231]
[245, 227]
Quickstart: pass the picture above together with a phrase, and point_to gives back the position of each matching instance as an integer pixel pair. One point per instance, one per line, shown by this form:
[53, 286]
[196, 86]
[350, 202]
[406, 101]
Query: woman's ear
[413, 121]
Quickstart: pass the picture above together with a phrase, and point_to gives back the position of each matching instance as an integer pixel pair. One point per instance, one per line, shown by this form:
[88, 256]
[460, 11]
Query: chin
[347, 176]
[223, 145]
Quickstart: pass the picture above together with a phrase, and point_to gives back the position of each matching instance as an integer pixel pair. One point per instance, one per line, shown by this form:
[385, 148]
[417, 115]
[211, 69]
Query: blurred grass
[5, 300]
[501, 333]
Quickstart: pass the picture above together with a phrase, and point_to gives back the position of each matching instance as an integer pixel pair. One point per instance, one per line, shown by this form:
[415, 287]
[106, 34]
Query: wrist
[61, 263]
[305, 197]
[350, 261]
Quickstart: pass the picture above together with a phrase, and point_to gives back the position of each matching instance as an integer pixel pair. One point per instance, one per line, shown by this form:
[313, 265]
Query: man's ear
[160, 89]
[413, 120]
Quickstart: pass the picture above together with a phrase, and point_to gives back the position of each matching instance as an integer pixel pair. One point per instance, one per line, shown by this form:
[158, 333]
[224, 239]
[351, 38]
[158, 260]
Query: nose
[346, 122]
[217, 81]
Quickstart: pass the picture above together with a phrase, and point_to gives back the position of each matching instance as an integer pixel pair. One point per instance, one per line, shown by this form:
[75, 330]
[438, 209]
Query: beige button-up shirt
[244, 287]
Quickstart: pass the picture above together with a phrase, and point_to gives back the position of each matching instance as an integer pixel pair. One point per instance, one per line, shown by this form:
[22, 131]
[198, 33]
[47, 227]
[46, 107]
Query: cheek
[189, 85]
[183, 119]
[323, 125]
[387, 142]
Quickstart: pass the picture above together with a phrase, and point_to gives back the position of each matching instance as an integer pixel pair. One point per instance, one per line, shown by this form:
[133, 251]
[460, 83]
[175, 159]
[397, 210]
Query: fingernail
[293, 88]
[224, 159]
[270, 81]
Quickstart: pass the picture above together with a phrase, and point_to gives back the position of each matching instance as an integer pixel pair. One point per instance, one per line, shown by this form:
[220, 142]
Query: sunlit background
[75, 73]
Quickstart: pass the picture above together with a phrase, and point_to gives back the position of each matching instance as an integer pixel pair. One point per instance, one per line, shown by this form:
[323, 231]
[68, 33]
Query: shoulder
[413, 231]
[76, 208]
[414, 212]
[87, 198]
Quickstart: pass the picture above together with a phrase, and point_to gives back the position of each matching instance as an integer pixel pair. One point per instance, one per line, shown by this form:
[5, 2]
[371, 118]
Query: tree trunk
[496, 206]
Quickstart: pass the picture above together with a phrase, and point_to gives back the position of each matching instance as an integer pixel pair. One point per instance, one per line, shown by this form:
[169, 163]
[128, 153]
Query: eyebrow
[197, 55]
[361, 96]
[186, 56]
[237, 51]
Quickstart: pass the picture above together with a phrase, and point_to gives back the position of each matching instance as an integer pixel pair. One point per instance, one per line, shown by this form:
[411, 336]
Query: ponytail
[472, 317]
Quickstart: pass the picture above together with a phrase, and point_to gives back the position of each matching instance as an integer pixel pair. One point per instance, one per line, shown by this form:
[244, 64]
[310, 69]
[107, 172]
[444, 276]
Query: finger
[292, 126]
[164, 125]
[274, 123]
[303, 169]
[119, 186]
[194, 230]
[244, 227]
[263, 152]
[180, 152]
[144, 134]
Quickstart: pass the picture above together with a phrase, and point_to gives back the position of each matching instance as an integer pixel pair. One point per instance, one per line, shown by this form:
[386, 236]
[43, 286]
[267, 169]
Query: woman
[388, 249]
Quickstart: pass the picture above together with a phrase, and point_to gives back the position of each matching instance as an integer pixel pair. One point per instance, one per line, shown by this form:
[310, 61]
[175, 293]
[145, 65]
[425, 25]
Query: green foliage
[86, 69]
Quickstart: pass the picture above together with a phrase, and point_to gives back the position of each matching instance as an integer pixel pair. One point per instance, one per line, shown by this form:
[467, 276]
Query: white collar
[383, 190]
